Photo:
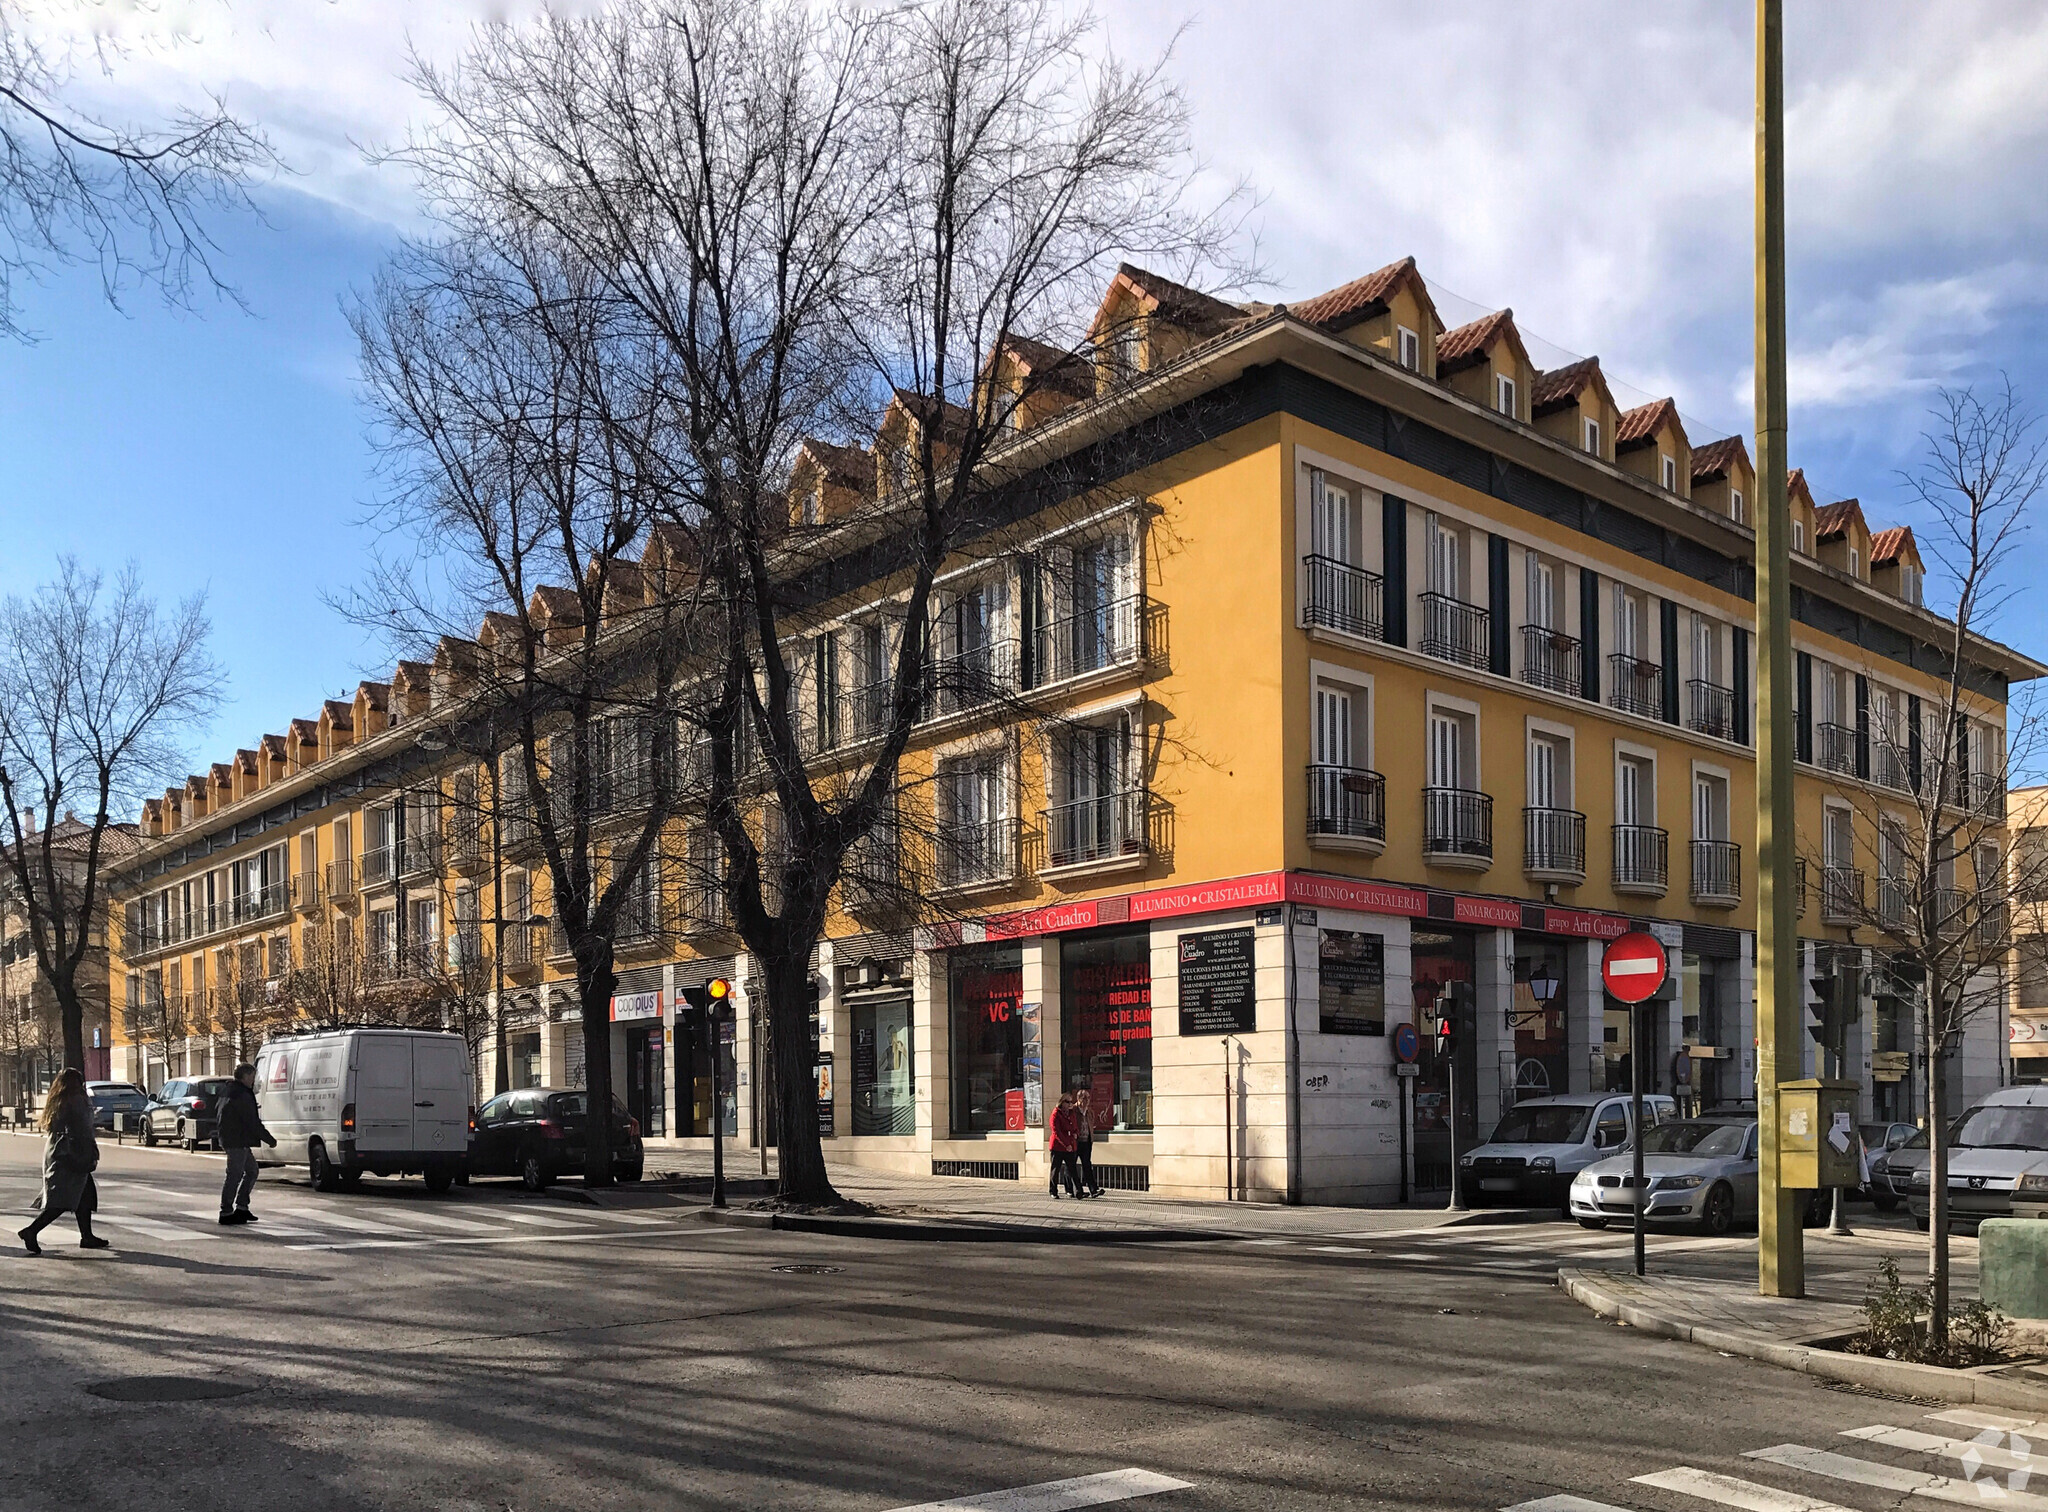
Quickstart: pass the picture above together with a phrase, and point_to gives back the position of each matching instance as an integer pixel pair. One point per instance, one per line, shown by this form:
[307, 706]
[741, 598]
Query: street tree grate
[166, 1389]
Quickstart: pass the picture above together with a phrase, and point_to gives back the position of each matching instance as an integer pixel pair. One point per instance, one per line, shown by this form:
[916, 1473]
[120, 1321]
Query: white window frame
[1668, 470]
[1564, 784]
[1408, 349]
[1506, 400]
[1799, 536]
[1718, 774]
[1592, 437]
[1628, 752]
[1469, 750]
[1829, 808]
[1735, 505]
[1360, 686]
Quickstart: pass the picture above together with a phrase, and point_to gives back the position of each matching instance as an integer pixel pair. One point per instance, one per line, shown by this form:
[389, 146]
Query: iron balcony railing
[306, 889]
[870, 708]
[1091, 640]
[1350, 802]
[1554, 842]
[1455, 631]
[1991, 922]
[1344, 597]
[1110, 826]
[1716, 872]
[341, 878]
[1888, 765]
[1550, 659]
[1642, 858]
[379, 864]
[1987, 795]
[466, 945]
[975, 855]
[1710, 709]
[420, 853]
[1841, 894]
[525, 945]
[466, 843]
[1635, 686]
[1457, 822]
[1799, 887]
[1891, 902]
[971, 676]
[1949, 906]
[1834, 748]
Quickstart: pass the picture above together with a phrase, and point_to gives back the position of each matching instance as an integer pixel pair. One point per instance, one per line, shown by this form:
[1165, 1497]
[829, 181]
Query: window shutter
[1913, 726]
[1802, 734]
[1738, 681]
[1497, 602]
[1862, 726]
[1589, 635]
[1394, 562]
[1669, 636]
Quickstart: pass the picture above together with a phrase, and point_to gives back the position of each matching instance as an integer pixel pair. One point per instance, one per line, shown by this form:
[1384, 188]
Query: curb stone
[1899, 1377]
[959, 1233]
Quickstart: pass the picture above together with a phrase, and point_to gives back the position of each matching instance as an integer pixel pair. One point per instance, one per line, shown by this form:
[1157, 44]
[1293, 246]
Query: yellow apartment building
[1397, 681]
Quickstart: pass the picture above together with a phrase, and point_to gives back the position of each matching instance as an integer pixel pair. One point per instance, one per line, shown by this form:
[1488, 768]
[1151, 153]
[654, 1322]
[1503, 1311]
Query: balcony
[1339, 596]
[380, 863]
[1107, 828]
[1834, 748]
[1455, 631]
[1457, 828]
[1986, 795]
[1888, 766]
[870, 708]
[1635, 686]
[968, 856]
[341, 880]
[420, 855]
[1841, 895]
[973, 677]
[466, 946]
[1642, 860]
[1891, 903]
[1710, 709]
[1716, 873]
[1116, 634]
[1554, 844]
[1949, 906]
[1347, 808]
[1550, 659]
[306, 890]
[467, 852]
[266, 902]
[524, 946]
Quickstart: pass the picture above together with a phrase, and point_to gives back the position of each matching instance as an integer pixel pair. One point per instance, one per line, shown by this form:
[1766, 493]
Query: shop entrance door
[1441, 963]
[884, 1091]
[646, 1082]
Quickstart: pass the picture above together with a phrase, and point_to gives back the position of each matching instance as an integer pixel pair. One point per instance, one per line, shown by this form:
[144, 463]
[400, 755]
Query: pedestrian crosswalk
[1527, 1248]
[1969, 1456]
[134, 1212]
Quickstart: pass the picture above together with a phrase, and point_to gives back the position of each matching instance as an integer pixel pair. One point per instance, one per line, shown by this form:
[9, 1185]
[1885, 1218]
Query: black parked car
[537, 1135]
[113, 1103]
[186, 1111]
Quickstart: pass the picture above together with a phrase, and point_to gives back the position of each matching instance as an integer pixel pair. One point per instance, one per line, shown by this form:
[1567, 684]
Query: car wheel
[325, 1177]
[632, 1172]
[188, 1137]
[1593, 1223]
[533, 1172]
[351, 1179]
[149, 1133]
[1885, 1204]
[439, 1179]
[1717, 1213]
[1920, 1223]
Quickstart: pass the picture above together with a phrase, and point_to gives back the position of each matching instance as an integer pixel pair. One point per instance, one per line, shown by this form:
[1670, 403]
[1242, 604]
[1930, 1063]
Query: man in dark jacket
[241, 1130]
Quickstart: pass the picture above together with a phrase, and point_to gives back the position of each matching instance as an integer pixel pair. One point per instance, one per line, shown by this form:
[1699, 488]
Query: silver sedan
[1700, 1171]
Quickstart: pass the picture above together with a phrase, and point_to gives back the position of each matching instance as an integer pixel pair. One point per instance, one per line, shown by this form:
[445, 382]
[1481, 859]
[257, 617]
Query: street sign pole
[1781, 1255]
[1633, 969]
[1635, 1081]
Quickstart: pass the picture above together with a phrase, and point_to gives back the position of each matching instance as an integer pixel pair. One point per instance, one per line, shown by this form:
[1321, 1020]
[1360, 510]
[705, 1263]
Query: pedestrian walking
[241, 1130]
[71, 1152]
[1084, 1144]
[1066, 1135]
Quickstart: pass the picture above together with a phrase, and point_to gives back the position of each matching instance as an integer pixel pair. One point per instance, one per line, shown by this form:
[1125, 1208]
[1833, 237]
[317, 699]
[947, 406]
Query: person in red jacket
[1066, 1140]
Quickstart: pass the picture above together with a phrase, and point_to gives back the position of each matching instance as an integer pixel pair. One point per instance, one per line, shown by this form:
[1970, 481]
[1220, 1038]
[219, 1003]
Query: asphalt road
[493, 1350]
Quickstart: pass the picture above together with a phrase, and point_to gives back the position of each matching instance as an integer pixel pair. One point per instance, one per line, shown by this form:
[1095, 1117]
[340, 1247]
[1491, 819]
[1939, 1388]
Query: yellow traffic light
[719, 987]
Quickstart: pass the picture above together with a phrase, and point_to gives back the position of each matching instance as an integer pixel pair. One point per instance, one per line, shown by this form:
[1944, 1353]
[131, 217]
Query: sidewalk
[967, 1207]
[1730, 1316]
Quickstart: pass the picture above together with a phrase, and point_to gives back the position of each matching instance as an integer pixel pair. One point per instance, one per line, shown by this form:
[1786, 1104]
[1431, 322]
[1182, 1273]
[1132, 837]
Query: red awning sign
[1634, 967]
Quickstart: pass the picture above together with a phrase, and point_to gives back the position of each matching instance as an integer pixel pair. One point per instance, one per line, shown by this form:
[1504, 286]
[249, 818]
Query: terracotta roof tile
[1717, 459]
[848, 466]
[1177, 302]
[413, 673]
[246, 760]
[1644, 421]
[1560, 386]
[377, 695]
[1892, 543]
[1066, 372]
[1831, 520]
[1466, 346]
[340, 713]
[272, 746]
[560, 605]
[1347, 304]
[222, 772]
[306, 731]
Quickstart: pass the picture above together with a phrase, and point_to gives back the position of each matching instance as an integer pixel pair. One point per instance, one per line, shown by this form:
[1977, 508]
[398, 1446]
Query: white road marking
[1977, 1417]
[579, 1236]
[1947, 1448]
[1863, 1472]
[1060, 1495]
[333, 1219]
[1727, 1491]
[169, 1233]
[1337, 1249]
[438, 1221]
[1563, 1504]
[538, 1221]
[633, 1218]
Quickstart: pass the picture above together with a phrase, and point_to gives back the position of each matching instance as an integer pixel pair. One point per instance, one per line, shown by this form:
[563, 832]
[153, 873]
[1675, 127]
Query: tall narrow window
[1444, 575]
[1855, 563]
[1634, 792]
[1709, 807]
[1446, 750]
[1799, 535]
[1410, 350]
[1628, 623]
[1549, 772]
[1593, 437]
[1334, 727]
[1705, 645]
[1335, 519]
[1542, 593]
[1670, 474]
[1504, 395]
[1735, 509]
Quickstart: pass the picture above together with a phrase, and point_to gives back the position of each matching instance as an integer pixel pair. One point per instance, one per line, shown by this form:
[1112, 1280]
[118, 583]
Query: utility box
[1817, 1134]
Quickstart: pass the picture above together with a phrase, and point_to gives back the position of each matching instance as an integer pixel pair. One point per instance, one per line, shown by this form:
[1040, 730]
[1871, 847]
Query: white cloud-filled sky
[1588, 164]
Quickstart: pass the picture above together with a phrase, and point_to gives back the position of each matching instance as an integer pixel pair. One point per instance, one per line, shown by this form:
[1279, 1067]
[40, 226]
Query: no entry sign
[1633, 967]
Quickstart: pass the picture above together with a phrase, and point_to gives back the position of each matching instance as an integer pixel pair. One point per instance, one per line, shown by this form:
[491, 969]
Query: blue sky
[1587, 164]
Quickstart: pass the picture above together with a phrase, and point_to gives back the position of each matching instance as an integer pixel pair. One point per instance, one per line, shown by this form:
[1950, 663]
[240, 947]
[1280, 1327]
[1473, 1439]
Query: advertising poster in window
[1217, 991]
[1034, 1065]
[1352, 997]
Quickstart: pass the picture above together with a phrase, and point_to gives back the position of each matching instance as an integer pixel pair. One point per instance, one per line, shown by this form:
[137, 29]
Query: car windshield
[1543, 1125]
[2003, 1128]
[1703, 1139]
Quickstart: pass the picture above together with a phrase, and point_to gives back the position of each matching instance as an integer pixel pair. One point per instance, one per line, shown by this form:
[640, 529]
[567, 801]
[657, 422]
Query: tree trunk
[595, 980]
[71, 1012]
[800, 1156]
[1937, 1182]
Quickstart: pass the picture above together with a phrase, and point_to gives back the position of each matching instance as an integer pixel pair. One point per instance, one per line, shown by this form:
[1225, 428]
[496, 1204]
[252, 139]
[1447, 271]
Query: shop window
[1106, 1027]
[988, 1093]
[1542, 1064]
[884, 1083]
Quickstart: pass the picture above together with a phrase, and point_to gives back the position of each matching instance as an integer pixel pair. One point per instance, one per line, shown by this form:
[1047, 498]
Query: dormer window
[1130, 349]
[1504, 395]
[1670, 474]
[1798, 535]
[1593, 437]
[1909, 583]
[1735, 505]
[1855, 563]
[1408, 347]
[814, 506]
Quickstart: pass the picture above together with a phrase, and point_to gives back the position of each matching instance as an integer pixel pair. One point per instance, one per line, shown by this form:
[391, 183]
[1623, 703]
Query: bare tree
[814, 218]
[77, 187]
[1945, 869]
[329, 984]
[96, 686]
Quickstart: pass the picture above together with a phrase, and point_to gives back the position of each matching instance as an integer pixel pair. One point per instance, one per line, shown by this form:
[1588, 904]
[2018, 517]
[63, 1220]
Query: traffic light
[713, 993]
[1839, 993]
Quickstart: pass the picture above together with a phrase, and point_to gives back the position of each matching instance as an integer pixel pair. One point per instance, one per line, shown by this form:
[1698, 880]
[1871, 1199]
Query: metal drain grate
[166, 1389]
[807, 1270]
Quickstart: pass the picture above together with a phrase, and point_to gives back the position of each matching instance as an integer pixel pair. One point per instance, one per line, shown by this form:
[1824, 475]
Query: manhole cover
[808, 1270]
[165, 1389]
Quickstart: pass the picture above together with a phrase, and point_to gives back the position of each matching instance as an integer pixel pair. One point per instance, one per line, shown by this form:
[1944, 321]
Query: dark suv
[115, 1103]
[537, 1135]
[186, 1111]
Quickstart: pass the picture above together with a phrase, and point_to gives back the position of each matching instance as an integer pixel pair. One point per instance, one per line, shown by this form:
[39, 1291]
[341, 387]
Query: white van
[389, 1101]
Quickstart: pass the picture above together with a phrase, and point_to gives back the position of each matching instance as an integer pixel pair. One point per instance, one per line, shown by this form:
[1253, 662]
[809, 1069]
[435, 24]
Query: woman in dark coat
[71, 1152]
